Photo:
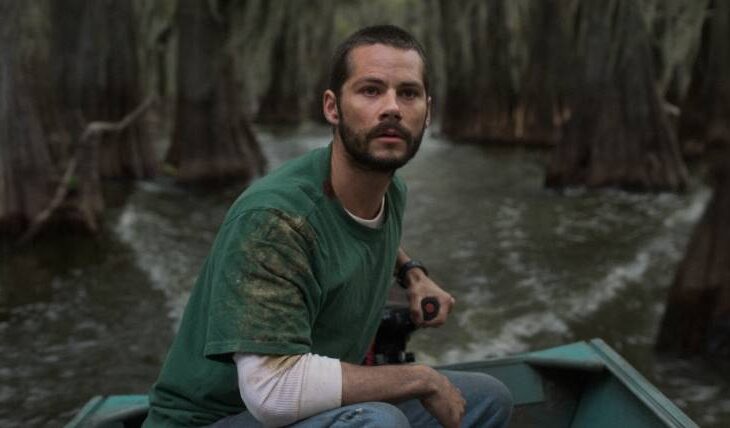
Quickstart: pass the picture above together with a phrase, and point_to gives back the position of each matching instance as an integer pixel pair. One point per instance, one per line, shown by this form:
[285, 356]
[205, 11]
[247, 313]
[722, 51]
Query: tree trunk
[676, 30]
[618, 134]
[282, 103]
[705, 119]
[299, 63]
[542, 106]
[27, 171]
[212, 141]
[96, 61]
[697, 317]
[479, 95]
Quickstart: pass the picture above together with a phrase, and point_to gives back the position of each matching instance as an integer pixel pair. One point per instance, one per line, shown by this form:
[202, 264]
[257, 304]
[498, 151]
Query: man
[293, 290]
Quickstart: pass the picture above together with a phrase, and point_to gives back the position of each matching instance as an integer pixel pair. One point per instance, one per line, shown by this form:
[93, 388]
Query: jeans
[488, 405]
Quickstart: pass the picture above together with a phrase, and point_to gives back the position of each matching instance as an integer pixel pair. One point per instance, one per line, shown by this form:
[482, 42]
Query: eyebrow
[412, 84]
[375, 80]
[369, 80]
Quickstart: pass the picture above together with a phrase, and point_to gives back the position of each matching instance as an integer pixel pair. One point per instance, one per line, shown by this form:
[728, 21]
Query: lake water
[530, 268]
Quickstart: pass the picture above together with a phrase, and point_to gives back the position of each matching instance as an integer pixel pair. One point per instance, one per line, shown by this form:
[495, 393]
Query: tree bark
[282, 104]
[299, 63]
[542, 105]
[697, 316]
[705, 119]
[97, 65]
[27, 171]
[479, 96]
[618, 134]
[212, 140]
[676, 30]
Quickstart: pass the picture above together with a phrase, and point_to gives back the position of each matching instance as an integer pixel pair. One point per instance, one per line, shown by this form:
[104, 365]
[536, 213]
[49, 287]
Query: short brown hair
[388, 35]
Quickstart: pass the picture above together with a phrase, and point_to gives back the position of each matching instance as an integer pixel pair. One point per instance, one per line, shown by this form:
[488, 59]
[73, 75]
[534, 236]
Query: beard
[357, 145]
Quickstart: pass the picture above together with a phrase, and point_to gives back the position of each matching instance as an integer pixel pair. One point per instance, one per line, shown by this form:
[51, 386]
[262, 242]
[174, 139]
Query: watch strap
[405, 267]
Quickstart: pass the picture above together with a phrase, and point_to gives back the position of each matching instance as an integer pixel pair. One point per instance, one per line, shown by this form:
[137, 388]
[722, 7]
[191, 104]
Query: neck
[359, 190]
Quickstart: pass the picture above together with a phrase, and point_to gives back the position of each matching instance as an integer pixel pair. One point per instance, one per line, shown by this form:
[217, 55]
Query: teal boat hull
[580, 385]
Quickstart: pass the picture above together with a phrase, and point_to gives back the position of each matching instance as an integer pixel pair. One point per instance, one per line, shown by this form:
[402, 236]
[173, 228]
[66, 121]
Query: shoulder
[255, 227]
[294, 188]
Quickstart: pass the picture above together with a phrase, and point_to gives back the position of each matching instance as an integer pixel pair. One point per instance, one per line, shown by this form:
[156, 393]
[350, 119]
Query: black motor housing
[392, 337]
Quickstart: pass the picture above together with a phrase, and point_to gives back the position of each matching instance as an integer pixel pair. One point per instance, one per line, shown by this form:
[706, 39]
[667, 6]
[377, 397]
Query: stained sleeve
[280, 390]
[264, 296]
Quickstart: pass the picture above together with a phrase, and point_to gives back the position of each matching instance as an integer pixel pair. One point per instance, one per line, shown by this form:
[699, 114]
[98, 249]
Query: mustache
[389, 126]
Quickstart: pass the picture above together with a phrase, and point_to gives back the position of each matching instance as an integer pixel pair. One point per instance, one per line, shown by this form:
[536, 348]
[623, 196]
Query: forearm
[413, 274]
[401, 259]
[389, 383]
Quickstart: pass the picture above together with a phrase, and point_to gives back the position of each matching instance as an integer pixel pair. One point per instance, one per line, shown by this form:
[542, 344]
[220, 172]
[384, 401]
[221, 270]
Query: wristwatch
[410, 264]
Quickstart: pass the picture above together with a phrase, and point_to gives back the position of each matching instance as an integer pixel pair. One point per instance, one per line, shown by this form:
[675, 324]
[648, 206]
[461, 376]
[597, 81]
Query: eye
[410, 93]
[370, 91]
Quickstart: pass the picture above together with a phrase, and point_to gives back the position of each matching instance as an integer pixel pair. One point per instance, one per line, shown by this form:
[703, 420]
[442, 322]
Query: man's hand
[421, 286]
[398, 383]
[446, 403]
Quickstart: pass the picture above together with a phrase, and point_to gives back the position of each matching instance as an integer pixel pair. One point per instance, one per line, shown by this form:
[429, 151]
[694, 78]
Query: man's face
[383, 107]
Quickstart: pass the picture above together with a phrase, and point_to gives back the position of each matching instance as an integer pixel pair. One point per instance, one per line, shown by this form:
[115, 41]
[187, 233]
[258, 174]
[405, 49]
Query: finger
[414, 303]
[442, 316]
[436, 322]
[433, 323]
[416, 316]
[447, 303]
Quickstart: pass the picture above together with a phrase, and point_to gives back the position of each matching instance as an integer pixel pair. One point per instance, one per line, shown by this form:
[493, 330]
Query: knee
[481, 385]
[499, 399]
[502, 395]
[376, 414]
[498, 393]
[489, 399]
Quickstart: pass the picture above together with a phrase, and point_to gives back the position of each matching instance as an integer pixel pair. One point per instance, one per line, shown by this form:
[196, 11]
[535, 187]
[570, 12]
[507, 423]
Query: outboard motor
[389, 346]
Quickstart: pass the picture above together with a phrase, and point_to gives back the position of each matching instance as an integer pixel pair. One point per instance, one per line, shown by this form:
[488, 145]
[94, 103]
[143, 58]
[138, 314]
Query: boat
[579, 385]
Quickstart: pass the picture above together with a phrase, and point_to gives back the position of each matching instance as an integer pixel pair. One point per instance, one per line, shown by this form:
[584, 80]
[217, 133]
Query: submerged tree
[705, 116]
[212, 140]
[676, 29]
[542, 105]
[26, 166]
[299, 61]
[479, 95]
[50, 163]
[95, 59]
[618, 134]
[697, 317]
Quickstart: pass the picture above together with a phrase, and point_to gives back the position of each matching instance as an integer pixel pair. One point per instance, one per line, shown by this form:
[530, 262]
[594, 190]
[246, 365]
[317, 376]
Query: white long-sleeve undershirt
[280, 390]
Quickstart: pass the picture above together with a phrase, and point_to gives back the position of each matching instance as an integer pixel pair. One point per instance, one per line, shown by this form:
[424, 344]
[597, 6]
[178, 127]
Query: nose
[391, 108]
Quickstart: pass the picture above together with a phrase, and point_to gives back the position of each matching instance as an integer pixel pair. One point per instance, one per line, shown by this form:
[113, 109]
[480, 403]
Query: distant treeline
[625, 90]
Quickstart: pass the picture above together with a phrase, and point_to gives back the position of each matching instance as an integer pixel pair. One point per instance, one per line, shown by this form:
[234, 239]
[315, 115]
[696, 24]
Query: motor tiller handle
[430, 307]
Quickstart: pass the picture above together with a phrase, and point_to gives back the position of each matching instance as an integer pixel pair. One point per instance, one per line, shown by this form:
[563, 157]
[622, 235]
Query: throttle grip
[430, 307]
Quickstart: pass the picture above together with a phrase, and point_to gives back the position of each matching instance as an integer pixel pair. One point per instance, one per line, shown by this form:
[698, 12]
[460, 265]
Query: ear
[428, 112]
[329, 107]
